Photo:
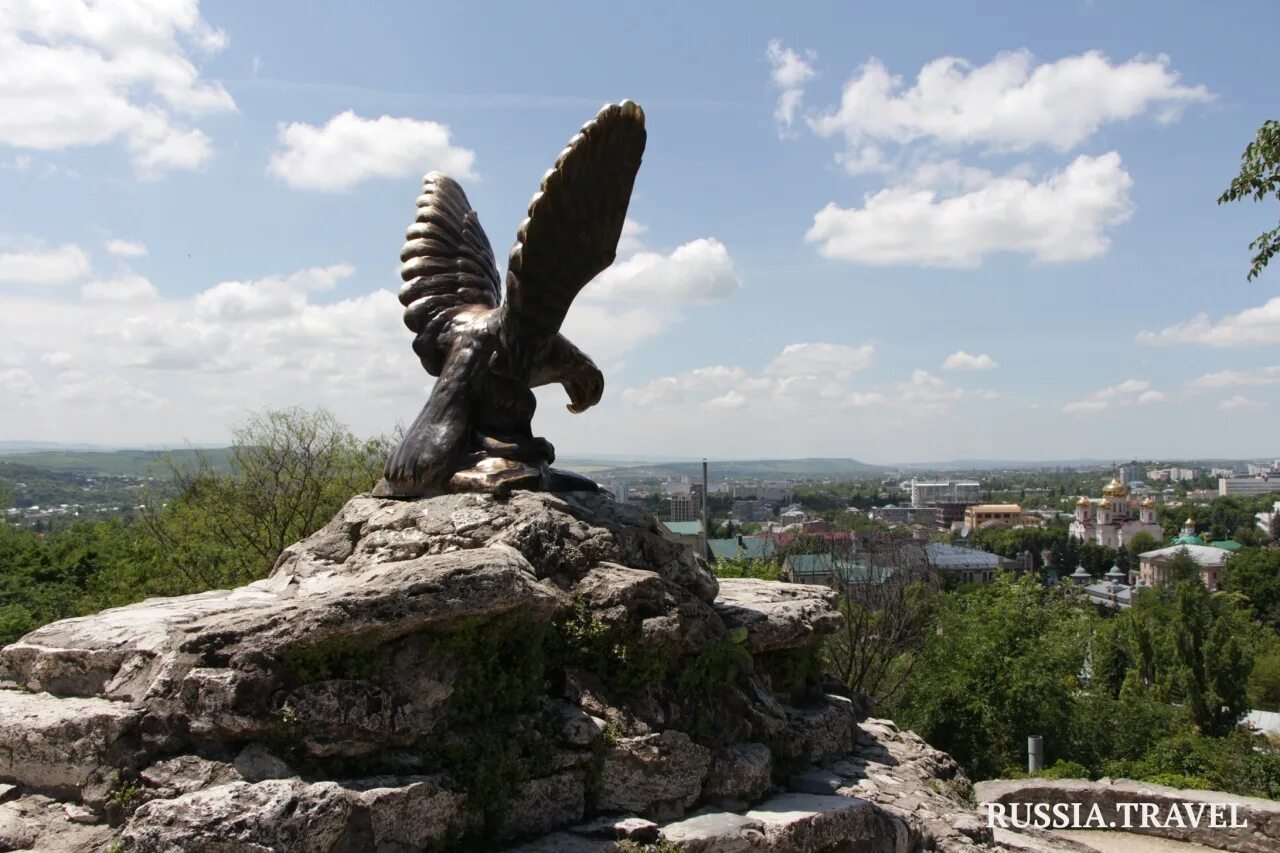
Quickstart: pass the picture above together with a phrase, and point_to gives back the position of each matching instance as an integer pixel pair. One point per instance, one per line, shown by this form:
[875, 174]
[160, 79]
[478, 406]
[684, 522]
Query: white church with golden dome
[1116, 518]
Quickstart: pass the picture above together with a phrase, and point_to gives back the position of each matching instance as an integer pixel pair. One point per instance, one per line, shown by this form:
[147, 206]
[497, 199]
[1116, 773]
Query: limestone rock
[740, 773]
[777, 616]
[269, 817]
[35, 822]
[411, 813]
[813, 822]
[61, 746]
[560, 534]
[716, 832]
[644, 773]
[546, 804]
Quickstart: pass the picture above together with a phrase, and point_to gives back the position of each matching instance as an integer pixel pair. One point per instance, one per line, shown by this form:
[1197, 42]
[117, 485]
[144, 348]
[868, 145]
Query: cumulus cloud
[1127, 393]
[44, 266]
[1253, 327]
[349, 149]
[78, 72]
[125, 248]
[821, 359]
[124, 288]
[812, 378]
[15, 382]
[632, 238]
[1239, 403]
[699, 272]
[1012, 103]
[1061, 218]
[1238, 378]
[646, 293]
[961, 360]
[790, 71]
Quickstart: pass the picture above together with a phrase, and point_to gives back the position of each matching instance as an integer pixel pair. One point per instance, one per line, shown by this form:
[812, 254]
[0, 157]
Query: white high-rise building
[1248, 485]
[924, 494]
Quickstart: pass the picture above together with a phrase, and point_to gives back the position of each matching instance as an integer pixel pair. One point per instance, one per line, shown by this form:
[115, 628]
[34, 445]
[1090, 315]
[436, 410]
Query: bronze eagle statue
[475, 432]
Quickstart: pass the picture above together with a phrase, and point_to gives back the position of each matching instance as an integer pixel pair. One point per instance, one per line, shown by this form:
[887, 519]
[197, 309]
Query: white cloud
[809, 378]
[349, 149]
[790, 71]
[16, 382]
[44, 266]
[675, 390]
[124, 288]
[730, 401]
[821, 359]
[1253, 327]
[78, 72]
[1062, 218]
[1010, 104]
[632, 238]
[1127, 393]
[269, 297]
[1239, 403]
[125, 248]
[1237, 378]
[700, 272]
[961, 360]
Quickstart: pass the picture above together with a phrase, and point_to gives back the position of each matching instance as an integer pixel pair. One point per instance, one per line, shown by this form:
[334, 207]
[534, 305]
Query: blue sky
[893, 233]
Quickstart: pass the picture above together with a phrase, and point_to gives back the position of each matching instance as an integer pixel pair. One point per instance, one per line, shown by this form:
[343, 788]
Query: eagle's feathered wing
[574, 222]
[447, 265]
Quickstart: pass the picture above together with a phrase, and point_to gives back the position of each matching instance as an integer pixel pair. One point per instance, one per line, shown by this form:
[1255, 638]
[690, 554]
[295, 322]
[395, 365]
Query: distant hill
[813, 468]
[133, 463]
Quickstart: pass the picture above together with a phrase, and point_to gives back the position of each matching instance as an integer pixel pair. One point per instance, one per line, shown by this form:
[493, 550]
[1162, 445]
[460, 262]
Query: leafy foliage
[1259, 179]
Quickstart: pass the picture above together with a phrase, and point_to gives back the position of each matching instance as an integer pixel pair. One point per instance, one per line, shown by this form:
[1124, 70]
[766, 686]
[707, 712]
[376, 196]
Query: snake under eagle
[475, 432]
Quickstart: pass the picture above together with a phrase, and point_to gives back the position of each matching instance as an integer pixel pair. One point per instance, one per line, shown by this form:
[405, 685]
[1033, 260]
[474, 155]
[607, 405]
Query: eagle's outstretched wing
[447, 266]
[574, 224]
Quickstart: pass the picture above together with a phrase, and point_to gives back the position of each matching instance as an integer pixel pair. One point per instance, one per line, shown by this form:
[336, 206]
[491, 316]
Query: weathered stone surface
[1262, 817]
[411, 813]
[576, 726]
[62, 746]
[256, 763]
[716, 832]
[546, 804]
[560, 534]
[812, 822]
[669, 616]
[187, 773]
[740, 773]
[777, 615]
[821, 731]
[39, 823]
[652, 771]
[618, 828]
[269, 817]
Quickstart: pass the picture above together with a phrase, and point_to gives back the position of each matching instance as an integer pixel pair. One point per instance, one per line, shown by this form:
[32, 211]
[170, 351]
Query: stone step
[69, 747]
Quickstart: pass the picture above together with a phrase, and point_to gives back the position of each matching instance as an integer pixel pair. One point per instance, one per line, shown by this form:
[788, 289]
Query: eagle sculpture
[475, 432]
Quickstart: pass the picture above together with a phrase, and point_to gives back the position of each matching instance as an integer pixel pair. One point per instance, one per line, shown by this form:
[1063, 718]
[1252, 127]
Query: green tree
[1215, 655]
[1003, 664]
[290, 471]
[1140, 544]
[1259, 179]
[1255, 574]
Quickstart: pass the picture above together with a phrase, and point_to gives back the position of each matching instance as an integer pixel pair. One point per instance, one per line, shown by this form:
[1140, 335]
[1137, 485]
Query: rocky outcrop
[463, 672]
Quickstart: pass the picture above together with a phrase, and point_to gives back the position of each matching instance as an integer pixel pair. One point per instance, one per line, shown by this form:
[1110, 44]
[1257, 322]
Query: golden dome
[1148, 501]
[1115, 489]
[1084, 501]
